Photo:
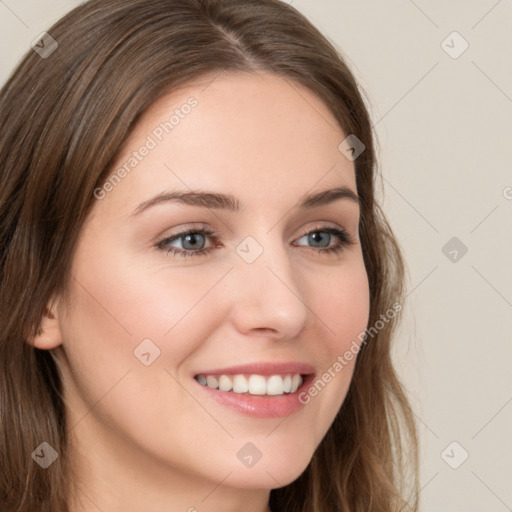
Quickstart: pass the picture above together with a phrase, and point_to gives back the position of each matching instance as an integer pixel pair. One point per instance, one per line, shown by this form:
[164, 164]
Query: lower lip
[260, 406]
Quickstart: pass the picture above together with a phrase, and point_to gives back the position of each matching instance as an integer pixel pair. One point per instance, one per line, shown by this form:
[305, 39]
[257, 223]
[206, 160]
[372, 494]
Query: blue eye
[193, 241]
[327, 232]
[193, 238]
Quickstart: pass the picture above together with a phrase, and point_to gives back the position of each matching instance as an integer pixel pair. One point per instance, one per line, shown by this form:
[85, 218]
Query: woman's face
[153, 307]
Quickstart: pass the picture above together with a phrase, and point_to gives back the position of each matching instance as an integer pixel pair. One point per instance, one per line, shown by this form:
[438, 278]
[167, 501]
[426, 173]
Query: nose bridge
[269, 295]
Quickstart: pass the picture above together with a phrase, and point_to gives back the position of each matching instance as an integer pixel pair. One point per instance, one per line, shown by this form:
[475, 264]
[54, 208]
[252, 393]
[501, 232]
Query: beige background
[445, 130]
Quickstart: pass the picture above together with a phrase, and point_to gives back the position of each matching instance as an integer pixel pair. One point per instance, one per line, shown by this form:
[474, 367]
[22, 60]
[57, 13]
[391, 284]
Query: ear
[48, 334]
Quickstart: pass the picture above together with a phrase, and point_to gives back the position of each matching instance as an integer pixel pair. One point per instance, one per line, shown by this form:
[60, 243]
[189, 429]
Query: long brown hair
[64, 120]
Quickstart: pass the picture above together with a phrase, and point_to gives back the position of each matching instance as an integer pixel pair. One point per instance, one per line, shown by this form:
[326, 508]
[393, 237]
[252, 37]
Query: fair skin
[150, 437]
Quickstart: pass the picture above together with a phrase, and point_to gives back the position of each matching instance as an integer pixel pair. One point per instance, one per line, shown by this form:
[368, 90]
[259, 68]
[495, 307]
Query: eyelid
[200, 226]
[327, 228]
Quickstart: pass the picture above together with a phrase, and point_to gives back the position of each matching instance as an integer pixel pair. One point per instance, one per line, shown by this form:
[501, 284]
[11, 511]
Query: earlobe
[48, 334]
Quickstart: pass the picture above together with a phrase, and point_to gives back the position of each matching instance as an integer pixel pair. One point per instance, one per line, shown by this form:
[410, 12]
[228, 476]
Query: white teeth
[287, 384]
[254, 384]
[225, 383]
[275, 385]
[240, 384]
[296, 382]
[212, 382]
[257, 385]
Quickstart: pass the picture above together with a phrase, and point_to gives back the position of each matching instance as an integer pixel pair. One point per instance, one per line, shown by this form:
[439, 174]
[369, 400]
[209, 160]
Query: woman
[255, 375]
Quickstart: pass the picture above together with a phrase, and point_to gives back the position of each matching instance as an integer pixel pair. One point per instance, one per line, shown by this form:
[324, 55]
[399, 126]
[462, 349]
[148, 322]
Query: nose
[268, 299]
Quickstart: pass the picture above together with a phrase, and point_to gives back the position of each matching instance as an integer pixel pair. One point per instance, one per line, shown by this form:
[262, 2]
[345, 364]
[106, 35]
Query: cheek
[116, 306]
[342, 304]
[118, 302]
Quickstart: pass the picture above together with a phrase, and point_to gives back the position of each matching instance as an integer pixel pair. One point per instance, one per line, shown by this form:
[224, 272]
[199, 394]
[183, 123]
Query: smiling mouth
[253, 384]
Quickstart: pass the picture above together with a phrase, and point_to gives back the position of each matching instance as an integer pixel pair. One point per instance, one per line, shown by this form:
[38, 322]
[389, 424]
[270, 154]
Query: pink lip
[261, 406]
[262, 369]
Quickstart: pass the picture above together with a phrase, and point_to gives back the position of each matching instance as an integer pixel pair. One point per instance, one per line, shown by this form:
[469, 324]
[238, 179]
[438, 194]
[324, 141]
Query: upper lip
[262, 368]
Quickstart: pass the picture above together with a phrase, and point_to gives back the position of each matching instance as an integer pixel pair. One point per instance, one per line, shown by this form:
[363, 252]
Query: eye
[193, 241]
[323, 235]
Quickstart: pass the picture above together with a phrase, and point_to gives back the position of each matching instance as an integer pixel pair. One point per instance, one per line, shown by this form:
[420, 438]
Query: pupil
[317, 235]
[188, 238]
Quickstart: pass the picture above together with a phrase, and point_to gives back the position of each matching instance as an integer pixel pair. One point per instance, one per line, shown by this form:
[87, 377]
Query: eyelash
[344, 241]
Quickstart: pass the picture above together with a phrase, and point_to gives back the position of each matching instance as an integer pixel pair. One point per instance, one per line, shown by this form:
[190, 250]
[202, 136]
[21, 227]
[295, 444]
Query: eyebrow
[229, 202]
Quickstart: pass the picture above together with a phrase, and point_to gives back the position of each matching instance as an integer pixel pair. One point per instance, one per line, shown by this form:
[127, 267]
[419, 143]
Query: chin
[279, 470]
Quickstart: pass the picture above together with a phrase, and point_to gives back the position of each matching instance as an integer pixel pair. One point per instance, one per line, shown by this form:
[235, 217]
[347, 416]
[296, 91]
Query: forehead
[253, 135]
